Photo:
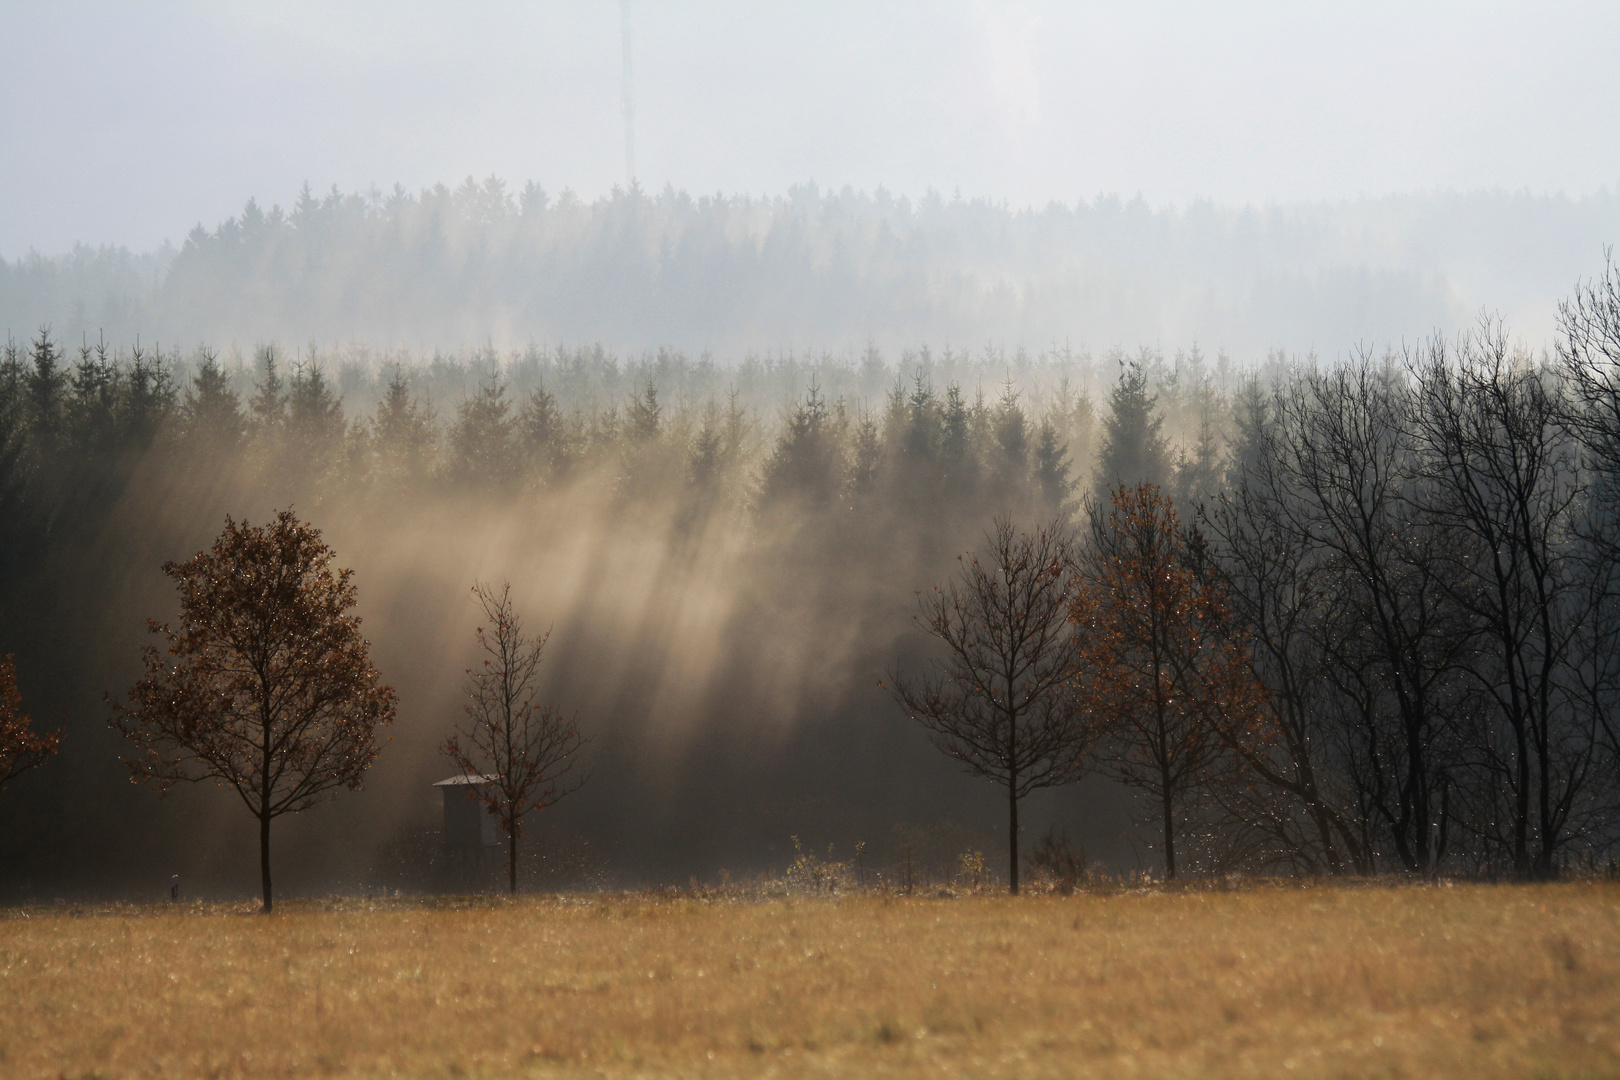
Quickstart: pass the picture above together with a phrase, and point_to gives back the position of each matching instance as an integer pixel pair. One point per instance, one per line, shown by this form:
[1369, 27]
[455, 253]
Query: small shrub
[1057, 861]
[970, 870]
[813, 874]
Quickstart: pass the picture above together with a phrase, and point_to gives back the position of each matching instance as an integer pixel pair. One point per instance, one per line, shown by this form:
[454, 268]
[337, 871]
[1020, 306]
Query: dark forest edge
[1383, 593]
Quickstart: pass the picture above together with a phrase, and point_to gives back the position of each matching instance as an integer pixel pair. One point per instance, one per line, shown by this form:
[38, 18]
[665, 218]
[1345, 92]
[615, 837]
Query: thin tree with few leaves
[527, 752]
[999, 700]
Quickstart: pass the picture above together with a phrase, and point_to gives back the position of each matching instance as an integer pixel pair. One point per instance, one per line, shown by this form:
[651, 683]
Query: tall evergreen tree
[1199, 468]
[404, 433]
[211, 410]
[804, 467]
[148, 398]
[93, 422]
[482, 440]
[45, 384]
[644, 414]
[1051, 475]
[268, 407]
[1133, 450]
[1010, 454]
[314, 414]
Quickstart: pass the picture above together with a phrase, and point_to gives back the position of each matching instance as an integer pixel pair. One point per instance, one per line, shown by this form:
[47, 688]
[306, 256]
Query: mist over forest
[822, 270]
[727, 558]
[719, 446]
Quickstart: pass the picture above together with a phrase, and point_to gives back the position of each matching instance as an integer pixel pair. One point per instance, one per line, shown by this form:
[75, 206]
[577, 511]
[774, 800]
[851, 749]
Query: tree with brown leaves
[1162, 674]
[267, 686]
[999, 701]
[527, 751]
[21, 747]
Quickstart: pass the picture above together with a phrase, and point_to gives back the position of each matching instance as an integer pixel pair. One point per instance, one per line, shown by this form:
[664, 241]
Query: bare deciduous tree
[1502, 476]
[1391, 635]
[527, 750]
[267, 686]
[1270, 577]
[1000, 700]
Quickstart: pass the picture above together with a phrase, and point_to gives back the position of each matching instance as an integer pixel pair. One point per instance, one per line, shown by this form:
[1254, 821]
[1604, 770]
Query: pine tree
[314, 414]
[482, 439]
[1198, 471]
[1051, 475]
[404, 433]
[148, 398]
[956, 447]
[1010, 454]
[543, 436]
[45, 382]
[212, 411]
[804, 467]
[93, 407]
[268, 407]
[644, 415]
[1133, 450]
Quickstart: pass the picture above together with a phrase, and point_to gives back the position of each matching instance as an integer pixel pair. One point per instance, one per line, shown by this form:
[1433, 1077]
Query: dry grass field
[1468, 981]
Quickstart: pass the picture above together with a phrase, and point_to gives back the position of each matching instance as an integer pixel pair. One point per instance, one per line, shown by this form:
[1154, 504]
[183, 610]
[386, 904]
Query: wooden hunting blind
[468, 826]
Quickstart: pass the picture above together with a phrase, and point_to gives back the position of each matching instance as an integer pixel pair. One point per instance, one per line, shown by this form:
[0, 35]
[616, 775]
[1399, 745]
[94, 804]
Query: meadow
[1312, 981]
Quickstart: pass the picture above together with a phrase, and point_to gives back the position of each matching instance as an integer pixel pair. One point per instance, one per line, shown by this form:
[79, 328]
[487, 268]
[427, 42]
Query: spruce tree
[1133, 450]
[212, 411]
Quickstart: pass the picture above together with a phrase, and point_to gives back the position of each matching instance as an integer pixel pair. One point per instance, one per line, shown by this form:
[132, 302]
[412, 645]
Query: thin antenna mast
[629, 104]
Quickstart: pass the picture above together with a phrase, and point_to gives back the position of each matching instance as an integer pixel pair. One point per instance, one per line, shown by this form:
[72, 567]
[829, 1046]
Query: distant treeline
[767, 432]
[822, 269]
[1419, 550]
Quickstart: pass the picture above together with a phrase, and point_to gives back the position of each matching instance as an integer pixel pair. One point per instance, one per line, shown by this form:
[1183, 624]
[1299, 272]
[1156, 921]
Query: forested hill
[820, 269]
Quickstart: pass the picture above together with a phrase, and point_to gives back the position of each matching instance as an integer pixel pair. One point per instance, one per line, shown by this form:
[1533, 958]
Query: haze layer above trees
[727, 581]
[817, 269]
[727, 547]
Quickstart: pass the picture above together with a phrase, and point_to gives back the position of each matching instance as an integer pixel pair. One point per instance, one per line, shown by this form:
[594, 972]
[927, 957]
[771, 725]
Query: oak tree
[21, 747]
[266, 686]
[1160, 670]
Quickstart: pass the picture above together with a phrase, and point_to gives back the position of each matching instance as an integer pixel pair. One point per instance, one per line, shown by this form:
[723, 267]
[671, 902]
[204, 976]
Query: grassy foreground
[1469, 981]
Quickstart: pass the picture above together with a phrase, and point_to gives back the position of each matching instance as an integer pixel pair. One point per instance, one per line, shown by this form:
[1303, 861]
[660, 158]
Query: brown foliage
[528, 750]
[267, 686]
[21, 747]
[1161, 670]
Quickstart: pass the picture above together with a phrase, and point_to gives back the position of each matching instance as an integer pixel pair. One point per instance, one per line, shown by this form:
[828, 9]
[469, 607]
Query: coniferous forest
[819, 268]
[1404, 563]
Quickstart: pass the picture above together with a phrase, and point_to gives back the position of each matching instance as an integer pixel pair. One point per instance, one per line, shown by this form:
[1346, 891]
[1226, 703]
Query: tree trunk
[1169, 837]
[1548, 838]
[511, 860]
[1521, 807]
[1012, 835]
[264, 860]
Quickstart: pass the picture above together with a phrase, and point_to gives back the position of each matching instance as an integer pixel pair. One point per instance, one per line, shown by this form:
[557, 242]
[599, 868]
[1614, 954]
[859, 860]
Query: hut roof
[466, 779]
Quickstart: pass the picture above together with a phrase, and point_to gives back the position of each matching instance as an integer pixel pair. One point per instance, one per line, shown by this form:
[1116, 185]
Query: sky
[129, 123]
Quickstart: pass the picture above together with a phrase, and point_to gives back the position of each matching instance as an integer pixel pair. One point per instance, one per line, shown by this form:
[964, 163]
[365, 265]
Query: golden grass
[1313, 982]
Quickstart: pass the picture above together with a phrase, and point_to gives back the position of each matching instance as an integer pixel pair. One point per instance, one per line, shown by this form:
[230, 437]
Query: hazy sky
[129, 123]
